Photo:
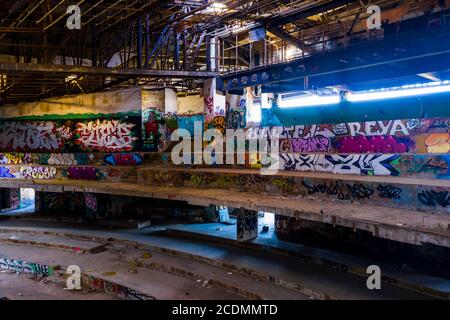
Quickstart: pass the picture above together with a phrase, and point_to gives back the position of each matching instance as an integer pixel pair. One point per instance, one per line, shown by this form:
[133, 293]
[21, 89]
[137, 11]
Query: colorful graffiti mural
[106, 135]
[83, 173]
[15, 158]
[420, 136]
[433, 199]
[102, 135]
[37, 173]
[25, 267]
[370, 164]
[30, 135]
[6, 173]
[124, 159]
[247, 225]
[63, 202]
[375, 144]
[188, 122]
[153, 129]
[236, 119]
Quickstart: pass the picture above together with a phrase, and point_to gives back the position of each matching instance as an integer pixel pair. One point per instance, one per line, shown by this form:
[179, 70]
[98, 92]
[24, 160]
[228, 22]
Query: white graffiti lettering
[38, 173]
[340, 164]
[67, 159]
[107, 135]
[29, 136]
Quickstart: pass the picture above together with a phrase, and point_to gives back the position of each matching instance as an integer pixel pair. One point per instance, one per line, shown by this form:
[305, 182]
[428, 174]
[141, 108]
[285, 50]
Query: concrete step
[50, 241]
[285, 271]
[403, 277]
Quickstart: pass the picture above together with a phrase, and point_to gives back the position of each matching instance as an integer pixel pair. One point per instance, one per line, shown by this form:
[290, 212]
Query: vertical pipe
[147, 40]
[177, 52]
[237, 54]
[208, 53]
[45, 58]
[185, 50]
[223, 53]
[139, 43]
[93, 48]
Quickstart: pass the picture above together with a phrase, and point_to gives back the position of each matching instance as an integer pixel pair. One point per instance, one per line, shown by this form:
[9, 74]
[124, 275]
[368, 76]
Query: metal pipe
[45, 15]
[97, 15]
[29, 12]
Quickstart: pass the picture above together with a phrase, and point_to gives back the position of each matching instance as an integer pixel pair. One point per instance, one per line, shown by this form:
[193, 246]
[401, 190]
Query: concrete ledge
[402, 225]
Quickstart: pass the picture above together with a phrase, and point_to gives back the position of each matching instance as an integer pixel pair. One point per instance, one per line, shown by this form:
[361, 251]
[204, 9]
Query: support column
[152, 119]
[95, 207]
[214, 106]
[9, 199]
[247, 225]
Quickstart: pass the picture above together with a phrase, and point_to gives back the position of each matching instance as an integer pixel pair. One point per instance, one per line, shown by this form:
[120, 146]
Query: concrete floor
[19, 287]
[285, 270]
[148, 272]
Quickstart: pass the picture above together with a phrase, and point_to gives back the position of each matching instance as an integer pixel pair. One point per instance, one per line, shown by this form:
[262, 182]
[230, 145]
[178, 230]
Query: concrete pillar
[247, 225]
[152, 119]
[214, 106]
[157, 106]
[95, 206]
[9, 199]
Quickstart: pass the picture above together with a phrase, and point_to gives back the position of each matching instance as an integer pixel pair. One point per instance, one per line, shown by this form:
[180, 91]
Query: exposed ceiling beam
[297, 14]
[131, 73]
[283, 35]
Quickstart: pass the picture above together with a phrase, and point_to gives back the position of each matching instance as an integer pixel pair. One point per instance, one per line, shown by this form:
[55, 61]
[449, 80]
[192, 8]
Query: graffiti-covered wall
[74, 135]
[415, 136]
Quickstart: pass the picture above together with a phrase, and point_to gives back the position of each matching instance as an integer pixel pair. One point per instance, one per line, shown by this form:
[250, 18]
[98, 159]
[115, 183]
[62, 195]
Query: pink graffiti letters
[314, 144]
[91, 205]
[375, 144]
[82, 173]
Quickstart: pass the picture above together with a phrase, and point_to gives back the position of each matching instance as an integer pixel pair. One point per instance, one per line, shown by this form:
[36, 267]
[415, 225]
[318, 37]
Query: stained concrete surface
[396, 224]
[158, 275]
[335, 283]
[268, 241]
[21, 287]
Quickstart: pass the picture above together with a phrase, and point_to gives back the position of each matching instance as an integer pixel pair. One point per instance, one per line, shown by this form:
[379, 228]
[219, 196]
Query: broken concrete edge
[138, 224]
[437, 235]
[331, 262]
[61, 246]
[255, 274]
